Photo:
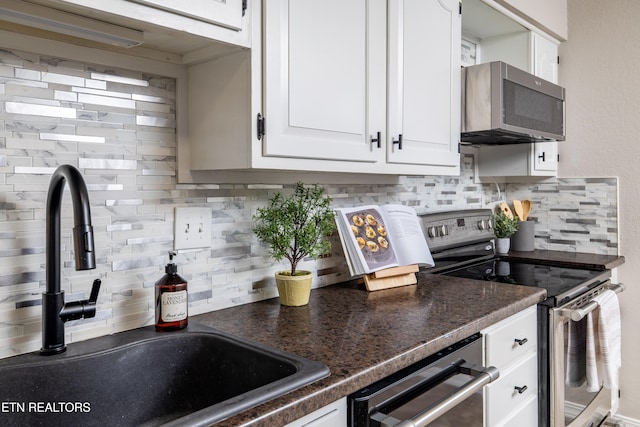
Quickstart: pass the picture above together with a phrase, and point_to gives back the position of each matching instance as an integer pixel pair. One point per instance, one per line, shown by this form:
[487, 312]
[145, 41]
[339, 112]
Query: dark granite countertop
[365, 336]
[568, 259]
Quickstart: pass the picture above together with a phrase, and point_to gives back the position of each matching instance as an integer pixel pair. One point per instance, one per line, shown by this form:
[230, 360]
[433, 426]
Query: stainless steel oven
[462, 246]
[444, 389]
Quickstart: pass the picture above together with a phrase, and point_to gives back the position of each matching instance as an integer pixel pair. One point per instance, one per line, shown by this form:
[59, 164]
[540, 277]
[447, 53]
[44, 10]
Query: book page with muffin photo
[379, 237]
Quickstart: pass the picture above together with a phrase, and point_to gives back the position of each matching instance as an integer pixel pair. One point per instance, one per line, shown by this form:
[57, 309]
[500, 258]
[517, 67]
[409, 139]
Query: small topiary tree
[296, 226]
[504, 225]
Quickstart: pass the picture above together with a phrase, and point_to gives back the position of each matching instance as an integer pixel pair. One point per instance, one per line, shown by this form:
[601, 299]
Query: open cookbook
[379, 237]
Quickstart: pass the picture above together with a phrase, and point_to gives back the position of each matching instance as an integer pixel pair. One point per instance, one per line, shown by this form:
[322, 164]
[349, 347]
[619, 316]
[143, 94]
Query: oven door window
[576, 396]
[571, 403]
[451, 380]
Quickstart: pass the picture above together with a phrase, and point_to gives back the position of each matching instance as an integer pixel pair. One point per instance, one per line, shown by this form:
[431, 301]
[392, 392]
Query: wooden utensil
[526, 208]
[504, 207]
[518, 208]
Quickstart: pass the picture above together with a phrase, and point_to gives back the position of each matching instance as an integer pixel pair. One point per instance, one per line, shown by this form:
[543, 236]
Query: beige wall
[600, 68]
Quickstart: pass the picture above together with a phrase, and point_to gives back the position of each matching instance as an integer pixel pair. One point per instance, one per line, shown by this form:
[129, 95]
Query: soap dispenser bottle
[171, 299]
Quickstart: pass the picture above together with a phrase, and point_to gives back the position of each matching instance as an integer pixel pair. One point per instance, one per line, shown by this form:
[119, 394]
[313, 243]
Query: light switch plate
[192, 228]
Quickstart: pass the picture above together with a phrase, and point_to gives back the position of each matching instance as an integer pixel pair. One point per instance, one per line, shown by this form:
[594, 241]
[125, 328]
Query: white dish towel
[604, 343]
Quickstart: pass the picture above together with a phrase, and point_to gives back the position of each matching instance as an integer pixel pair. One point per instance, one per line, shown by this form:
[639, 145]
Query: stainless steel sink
[192, 377]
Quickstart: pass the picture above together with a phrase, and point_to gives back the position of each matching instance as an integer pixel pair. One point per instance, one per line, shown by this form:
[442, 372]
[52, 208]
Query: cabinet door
[545, 158]
[545, 65]
[324, 79]
[512, 393]
[545, 58]
[424, 82]
[511, 345]
[511, 339]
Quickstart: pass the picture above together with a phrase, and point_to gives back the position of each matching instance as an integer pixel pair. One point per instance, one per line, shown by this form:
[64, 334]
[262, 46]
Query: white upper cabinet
[326, 84]
[333, 84]
[181, 27]
[227, 13]
[324, 79]
[545, 58]
[424, 82]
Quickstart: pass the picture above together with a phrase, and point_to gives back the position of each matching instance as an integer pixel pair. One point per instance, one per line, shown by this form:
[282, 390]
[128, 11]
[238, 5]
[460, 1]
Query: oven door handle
[481, 378]
[577, 314]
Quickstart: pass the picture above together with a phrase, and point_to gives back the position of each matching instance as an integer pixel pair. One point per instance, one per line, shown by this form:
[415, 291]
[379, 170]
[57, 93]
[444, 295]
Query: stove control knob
[431, 231]
[444, 230]
[482, 225]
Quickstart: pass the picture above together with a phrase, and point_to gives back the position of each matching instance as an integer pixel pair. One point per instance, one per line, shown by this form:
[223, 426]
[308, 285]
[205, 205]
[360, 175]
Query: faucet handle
[82, 309]
[95, 289]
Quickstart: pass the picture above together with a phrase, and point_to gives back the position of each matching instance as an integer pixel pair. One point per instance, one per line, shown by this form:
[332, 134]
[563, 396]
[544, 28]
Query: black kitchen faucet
[54, 310]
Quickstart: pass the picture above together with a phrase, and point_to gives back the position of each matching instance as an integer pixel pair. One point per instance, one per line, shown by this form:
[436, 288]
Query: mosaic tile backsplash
[118, 128]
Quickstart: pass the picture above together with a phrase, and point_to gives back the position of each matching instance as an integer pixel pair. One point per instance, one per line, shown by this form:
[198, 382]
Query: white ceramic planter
[502, 245]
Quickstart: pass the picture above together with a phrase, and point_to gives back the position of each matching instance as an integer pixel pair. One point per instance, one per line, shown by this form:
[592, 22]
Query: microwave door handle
[577, 314]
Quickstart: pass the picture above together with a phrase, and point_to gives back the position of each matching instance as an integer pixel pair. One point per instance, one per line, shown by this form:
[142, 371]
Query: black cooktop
[561, 283]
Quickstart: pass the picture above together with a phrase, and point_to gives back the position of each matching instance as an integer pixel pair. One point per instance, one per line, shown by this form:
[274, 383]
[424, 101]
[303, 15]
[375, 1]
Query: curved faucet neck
[82, 232]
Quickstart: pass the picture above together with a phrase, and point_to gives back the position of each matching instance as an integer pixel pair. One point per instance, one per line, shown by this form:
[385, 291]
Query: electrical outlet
[192, 228]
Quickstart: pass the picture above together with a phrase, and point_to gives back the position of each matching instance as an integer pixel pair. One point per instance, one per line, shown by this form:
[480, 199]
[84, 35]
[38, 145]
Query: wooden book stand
[391, 277]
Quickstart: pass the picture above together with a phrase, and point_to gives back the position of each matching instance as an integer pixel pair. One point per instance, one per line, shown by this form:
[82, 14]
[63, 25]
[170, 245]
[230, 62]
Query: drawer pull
[523, 341]
[521, 390]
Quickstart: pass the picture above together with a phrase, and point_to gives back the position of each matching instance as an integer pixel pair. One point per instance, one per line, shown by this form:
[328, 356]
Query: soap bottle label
[174, 306]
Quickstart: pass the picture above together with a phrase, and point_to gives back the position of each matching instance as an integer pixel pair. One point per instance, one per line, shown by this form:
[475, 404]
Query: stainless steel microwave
[502, 104]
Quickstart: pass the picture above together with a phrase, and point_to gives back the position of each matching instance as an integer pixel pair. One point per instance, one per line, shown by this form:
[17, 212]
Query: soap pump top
[171, 268]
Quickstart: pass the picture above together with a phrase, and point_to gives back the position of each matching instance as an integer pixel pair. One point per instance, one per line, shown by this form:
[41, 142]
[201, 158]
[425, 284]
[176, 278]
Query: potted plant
[295, 227]
[504, 227]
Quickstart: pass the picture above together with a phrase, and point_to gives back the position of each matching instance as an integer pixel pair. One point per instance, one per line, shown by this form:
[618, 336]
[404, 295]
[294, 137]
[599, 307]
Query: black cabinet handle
[399, 142]
[542, 156]
[260, 126]
[521, 390]
[522, 341]
[377, 139]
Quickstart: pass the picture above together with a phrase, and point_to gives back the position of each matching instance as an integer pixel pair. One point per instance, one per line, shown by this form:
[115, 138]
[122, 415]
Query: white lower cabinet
[332, 415]
[516, 387]
[527, 415]
[511, 346]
